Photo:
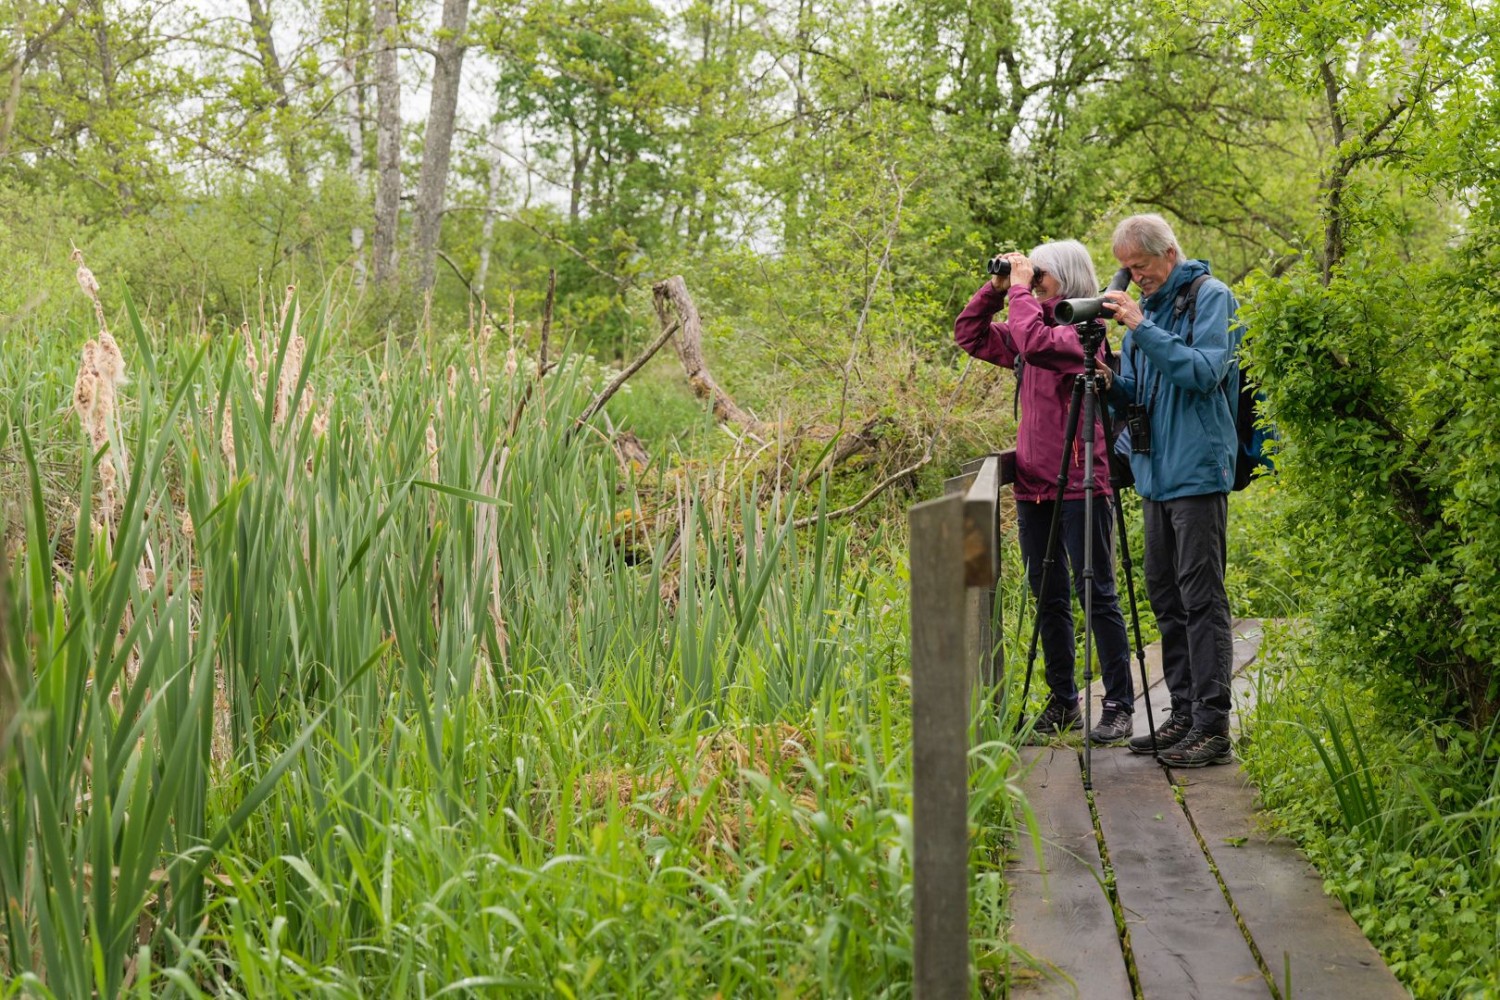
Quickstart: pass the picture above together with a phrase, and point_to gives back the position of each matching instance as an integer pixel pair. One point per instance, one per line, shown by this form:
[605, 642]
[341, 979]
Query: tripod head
[1090, 335]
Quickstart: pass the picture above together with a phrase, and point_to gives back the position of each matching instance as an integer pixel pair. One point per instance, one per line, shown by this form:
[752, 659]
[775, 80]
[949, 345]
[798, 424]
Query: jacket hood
[1182, 275]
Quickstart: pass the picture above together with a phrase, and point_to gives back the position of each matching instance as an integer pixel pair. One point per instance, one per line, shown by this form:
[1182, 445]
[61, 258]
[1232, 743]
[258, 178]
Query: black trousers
[1185, 556]
[1055, 606]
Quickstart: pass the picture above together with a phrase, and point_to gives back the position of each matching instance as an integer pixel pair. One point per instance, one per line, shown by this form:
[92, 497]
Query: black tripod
[1086, 402]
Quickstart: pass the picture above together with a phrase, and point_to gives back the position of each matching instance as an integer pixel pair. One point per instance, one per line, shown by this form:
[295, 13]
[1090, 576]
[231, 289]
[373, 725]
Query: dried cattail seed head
[226, 440]
[85, 396]
[252, 362]
[111, 363]
[88, 282]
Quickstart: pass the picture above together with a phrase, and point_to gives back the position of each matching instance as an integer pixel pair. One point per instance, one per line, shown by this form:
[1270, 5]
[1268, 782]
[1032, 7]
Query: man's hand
[1126, 310]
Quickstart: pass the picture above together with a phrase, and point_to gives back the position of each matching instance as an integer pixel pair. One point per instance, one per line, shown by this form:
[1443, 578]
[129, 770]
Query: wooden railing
[955, 565]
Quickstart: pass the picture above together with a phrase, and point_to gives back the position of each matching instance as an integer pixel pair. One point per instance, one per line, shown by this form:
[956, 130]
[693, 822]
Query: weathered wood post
[955, 560]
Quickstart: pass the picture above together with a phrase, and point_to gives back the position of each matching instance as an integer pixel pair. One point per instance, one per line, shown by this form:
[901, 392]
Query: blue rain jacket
[1187, 373]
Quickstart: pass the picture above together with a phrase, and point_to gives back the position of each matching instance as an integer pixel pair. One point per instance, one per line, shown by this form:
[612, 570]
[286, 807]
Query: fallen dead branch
[672, 295]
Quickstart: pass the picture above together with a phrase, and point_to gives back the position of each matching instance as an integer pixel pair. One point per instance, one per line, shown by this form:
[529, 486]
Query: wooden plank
[1060, 911]
[1280, 897]
[940, 771]
[1183, 937]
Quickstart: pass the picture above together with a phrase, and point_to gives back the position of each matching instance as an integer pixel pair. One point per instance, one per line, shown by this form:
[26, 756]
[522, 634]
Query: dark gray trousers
[1185, 556]
[1055, 603]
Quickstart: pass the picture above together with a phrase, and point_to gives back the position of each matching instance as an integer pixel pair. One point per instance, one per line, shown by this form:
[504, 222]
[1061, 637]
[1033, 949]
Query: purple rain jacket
[1052, 356]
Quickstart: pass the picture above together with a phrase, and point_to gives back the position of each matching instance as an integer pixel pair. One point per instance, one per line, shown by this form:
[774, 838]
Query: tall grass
[377, 678]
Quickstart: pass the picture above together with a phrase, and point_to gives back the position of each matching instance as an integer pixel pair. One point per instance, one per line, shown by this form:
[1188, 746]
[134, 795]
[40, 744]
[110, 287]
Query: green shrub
[1403, 820]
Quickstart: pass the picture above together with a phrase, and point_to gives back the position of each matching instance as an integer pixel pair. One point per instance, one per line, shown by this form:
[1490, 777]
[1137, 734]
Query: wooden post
[955, 565]
[940, 771]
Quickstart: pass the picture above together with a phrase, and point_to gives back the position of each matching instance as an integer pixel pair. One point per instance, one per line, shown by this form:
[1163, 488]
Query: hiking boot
[1114, 728]
[1168, 734]
[1057, 718]
[1198, 749]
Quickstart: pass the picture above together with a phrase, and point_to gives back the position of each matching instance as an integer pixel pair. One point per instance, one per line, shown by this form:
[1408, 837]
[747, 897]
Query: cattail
[320, 423]
[432, 452]
[85, 388]
[185, 522]
[86, 279]
[90, 286]
[291, 374]
[103, 416]
[226, 440]
[252, 362]
[94, 393]
[510, 362]
[111, 364]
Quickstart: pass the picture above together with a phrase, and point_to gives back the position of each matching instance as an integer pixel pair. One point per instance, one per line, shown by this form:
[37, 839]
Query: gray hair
[1150, 234]
[1069, 262]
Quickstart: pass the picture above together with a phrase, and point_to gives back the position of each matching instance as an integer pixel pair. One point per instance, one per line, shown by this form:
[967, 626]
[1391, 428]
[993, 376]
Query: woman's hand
[1021, 270]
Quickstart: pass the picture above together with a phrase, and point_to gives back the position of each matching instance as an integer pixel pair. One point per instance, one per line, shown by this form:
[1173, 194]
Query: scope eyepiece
[1084, 310]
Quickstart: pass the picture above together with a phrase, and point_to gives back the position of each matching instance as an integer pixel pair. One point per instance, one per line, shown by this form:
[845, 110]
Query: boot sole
[1226, 759]
[1160, 748]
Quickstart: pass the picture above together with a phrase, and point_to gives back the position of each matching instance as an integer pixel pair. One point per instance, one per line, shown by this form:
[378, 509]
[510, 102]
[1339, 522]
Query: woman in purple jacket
[1046, 357]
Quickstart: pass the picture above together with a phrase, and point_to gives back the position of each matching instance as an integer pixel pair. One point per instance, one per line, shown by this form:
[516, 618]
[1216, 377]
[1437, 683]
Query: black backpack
[1252, 434]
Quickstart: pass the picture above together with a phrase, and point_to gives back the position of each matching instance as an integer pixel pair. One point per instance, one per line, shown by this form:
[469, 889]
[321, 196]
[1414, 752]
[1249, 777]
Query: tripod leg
[1126, 566]
[1090, 399]
[1053, 530]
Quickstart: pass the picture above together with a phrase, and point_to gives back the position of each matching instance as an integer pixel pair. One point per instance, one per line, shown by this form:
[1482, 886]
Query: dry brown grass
[715, 788]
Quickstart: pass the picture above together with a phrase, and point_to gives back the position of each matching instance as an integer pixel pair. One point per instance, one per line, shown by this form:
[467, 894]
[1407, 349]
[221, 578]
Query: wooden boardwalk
[1167, 885]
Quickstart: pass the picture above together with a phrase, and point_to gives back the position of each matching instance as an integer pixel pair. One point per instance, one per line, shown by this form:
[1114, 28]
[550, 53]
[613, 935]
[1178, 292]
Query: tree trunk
[27, 49]
[1333, 183]
[265, 46]
[437, 144]
[387, 143]
[491, 206]
[107, 73]
[575, 189]
[354, 132]
[13, 99]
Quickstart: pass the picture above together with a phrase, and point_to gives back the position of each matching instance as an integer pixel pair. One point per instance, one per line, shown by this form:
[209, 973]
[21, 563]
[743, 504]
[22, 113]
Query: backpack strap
[1187, 302]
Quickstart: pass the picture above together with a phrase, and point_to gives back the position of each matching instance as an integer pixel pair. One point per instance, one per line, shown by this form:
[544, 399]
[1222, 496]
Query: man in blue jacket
[1178, 388]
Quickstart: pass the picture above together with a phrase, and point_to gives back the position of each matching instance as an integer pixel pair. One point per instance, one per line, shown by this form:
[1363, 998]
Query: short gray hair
[1150, 234]
[1069, 262]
